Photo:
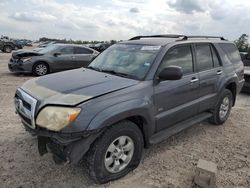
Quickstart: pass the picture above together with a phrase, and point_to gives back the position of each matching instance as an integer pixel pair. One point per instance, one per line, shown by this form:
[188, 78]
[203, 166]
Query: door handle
[73, 57]
[219, 72]
[194, 80]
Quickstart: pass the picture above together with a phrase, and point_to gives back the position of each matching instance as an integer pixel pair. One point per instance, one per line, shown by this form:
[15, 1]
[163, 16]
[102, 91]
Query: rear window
[231, 52]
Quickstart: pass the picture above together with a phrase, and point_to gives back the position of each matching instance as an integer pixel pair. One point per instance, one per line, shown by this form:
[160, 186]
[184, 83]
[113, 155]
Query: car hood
[74, 86]
[25, 53]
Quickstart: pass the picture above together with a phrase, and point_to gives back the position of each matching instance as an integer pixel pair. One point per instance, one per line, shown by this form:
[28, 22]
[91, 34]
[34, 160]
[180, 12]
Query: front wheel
[115, 153]
[223, 108]
[40, 69]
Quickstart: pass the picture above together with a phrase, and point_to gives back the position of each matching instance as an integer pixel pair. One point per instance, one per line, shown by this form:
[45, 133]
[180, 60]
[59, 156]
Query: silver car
[55, 57]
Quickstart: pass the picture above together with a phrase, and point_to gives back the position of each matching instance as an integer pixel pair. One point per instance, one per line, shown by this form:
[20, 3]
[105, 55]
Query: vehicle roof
[163, 41]
[73, 45]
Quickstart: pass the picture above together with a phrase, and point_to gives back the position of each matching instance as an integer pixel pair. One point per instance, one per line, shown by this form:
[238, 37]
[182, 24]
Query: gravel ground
[168, 164]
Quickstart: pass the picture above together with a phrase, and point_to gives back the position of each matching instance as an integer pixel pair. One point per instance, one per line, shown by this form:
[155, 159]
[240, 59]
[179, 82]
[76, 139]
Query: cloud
[116, 19]
[34, 16]
[187, 6]
[134, 10]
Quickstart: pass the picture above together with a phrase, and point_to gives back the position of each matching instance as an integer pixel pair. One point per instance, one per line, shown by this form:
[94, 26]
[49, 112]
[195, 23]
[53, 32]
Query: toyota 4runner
[135, 94]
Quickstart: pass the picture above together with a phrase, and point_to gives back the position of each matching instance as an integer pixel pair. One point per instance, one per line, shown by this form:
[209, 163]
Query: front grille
[25, 107]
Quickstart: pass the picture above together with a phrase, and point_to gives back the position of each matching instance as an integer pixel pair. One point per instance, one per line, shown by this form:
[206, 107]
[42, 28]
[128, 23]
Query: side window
[203, 57]
[231, 51]
[66, 50]
[179, 56]
[79, 50]
[215, 57]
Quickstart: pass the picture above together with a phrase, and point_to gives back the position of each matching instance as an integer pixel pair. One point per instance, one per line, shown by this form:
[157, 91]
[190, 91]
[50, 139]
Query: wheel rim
[8, 49]
[119, 154]
[224, 107]
[41, 69]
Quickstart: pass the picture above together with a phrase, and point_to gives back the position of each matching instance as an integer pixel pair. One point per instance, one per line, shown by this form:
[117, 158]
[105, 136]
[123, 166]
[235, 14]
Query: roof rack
[181, 37]
[157, 36]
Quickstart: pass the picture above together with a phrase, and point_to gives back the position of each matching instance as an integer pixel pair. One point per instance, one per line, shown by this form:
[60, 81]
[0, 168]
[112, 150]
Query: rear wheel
[223, 108]
[115, 153]
[7, 49]
[40, 69]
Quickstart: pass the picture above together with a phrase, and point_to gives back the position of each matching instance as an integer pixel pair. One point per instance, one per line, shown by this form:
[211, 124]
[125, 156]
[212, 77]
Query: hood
[74, 86]
[24, 53]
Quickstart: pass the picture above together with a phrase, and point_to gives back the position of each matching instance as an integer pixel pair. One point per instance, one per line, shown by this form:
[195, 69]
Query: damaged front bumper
[65, 147]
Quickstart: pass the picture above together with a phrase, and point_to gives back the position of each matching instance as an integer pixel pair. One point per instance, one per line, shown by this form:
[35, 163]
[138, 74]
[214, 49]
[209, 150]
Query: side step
[166, 133]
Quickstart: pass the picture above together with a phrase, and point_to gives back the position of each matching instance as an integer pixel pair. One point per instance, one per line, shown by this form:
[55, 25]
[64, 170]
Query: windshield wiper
[119, 74]
[94, 68]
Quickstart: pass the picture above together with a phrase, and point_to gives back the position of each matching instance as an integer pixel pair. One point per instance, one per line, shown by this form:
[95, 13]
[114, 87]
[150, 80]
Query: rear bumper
[65, 147]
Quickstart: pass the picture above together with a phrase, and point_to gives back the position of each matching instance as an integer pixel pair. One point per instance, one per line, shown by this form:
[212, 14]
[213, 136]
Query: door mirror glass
[171, 73]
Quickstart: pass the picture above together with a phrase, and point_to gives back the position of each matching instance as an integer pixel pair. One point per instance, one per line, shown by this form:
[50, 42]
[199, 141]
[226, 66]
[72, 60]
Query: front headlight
[56, 118]
[26, 59]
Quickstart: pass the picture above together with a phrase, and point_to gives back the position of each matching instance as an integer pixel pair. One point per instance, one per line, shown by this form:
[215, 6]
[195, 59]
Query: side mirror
[57, 54]
[171, 73]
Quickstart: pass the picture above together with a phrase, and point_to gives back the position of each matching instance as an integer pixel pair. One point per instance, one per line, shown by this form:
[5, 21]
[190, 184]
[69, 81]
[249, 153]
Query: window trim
[175, 46]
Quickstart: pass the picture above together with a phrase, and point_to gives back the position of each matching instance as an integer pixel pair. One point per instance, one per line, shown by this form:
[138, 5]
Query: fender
[123, 110]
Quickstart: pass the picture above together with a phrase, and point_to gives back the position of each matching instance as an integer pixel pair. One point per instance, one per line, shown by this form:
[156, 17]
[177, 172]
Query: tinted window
[231, 52]
[203, 57]
[215, 57]
[66, 50]
[179, 56]
[79, 50]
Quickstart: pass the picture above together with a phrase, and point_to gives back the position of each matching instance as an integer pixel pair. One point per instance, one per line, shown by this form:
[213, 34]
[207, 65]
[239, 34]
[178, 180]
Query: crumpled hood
[25, 53]
[74, 86]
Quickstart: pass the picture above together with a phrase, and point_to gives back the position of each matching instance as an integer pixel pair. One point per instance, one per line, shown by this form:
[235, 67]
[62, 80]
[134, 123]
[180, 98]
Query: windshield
[48, 49]
[128, 60]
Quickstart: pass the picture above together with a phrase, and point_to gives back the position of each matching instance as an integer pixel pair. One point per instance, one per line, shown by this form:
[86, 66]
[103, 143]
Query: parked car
[134, 94]
[8, 45]
[45, 44]
[56, 57]
[246, 61]
[23, 42]
[100, 47]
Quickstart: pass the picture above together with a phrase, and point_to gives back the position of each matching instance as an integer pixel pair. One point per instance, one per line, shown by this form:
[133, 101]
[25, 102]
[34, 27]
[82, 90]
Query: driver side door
[64, 59]
[176, 100]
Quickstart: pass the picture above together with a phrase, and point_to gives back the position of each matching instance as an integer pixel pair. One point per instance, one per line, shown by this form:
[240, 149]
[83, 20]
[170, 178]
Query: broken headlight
[56, 118]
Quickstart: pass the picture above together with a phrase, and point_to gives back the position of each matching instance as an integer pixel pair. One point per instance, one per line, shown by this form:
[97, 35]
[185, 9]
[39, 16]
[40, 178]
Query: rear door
[82, 57]
[176, 100]
[210, 74]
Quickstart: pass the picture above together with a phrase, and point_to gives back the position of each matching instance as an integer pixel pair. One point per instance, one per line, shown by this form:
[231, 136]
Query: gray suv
[134, 94]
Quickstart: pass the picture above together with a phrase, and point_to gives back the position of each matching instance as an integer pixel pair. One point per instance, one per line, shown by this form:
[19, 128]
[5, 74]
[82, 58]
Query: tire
[7, 49]
[40, 69]
[223, 108]
[102, 156]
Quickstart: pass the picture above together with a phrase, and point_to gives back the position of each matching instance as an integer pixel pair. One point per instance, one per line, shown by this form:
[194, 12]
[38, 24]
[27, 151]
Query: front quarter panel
[135, 107]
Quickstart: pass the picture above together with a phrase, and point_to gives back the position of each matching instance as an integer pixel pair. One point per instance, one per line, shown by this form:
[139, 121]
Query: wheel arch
[233, 88]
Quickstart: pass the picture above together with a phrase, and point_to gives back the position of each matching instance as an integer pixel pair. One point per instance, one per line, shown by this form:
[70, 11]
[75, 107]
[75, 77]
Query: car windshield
[48, 49]
[126, 60]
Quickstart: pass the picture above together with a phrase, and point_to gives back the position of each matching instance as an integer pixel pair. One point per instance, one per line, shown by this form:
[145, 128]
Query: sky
[122, 19]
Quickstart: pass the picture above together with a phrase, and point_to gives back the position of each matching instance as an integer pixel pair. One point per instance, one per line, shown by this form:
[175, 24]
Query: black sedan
[55, 57]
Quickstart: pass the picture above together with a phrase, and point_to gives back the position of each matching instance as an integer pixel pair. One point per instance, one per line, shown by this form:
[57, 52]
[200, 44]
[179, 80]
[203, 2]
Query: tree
[242, 43]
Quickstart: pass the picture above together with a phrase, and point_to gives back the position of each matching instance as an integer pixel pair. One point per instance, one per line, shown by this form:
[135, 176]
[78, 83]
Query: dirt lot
[168, 164]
